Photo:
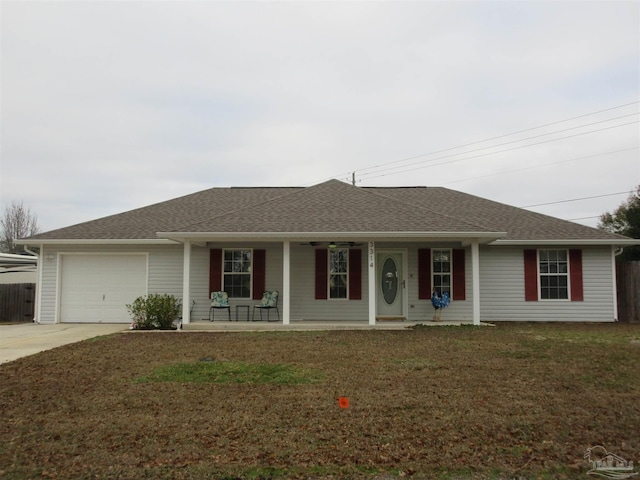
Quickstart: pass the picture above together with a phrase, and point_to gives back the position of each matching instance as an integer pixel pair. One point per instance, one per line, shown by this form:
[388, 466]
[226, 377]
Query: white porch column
[286, 282]
[39, 268]
[371, 268]
[475, 281]
[186, 283]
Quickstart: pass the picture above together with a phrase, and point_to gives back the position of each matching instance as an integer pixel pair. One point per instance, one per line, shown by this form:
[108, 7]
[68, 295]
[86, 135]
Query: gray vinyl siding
[200, 259]
[502, 289]
[304, 305]
[164, 270]
[422, 310]
[48, 287]
[199, 282]
[501, 283]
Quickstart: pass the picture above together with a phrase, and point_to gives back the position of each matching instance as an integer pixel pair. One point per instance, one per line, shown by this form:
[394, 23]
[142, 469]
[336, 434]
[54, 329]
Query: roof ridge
[457, 219]
[229, 212]
[321, 196]
[329, 207]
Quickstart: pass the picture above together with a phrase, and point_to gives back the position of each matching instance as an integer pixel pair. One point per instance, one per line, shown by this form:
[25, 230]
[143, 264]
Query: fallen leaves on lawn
[514, 401]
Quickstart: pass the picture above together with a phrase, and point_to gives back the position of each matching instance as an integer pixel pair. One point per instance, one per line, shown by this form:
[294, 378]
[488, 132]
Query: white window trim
[540, 275]
[346, 275]
[433, 273]
[250, 272]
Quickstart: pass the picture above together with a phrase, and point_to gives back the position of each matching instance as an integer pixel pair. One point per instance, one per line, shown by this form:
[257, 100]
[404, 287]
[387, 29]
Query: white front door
[97, 288]
[391, 284]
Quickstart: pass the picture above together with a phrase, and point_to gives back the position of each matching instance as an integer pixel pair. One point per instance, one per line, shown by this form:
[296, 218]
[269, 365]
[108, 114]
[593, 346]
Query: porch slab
[310, 325]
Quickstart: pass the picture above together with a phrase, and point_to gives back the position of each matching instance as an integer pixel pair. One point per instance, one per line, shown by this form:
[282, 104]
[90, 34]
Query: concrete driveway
[24, 339]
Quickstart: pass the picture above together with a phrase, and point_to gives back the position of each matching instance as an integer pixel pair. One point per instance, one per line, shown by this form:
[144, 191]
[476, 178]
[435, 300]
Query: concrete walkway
[24, 339]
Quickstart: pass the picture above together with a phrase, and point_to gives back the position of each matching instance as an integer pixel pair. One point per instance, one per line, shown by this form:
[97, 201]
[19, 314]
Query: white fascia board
[117, 241]
[8, 257]
[483, 237]
[585, 242]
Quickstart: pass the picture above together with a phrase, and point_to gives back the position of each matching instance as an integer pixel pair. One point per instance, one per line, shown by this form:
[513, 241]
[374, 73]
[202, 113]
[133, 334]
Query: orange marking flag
[343, 402]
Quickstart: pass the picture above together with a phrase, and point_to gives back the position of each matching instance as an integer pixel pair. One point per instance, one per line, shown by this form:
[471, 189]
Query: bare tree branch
[17, 222]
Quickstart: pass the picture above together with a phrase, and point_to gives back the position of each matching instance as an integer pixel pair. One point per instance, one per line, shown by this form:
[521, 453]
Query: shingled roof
[172, 215]
[519, 224]
[329, 207]
[333, 207]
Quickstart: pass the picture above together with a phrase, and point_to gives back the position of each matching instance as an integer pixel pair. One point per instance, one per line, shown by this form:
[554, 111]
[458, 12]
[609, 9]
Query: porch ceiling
[463, 238]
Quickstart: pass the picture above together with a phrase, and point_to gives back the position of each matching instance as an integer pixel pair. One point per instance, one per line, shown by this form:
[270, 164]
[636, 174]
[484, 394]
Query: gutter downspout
[36, 307]
[614, 253]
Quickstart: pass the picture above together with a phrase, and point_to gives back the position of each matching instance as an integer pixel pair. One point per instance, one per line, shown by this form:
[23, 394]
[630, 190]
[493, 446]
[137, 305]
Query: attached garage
[97, 288]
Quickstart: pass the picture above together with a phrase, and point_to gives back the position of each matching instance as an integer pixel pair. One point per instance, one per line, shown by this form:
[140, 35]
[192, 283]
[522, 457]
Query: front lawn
[512, 401]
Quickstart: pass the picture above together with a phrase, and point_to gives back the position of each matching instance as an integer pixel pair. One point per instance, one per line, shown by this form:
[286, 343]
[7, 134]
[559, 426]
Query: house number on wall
[371, 254]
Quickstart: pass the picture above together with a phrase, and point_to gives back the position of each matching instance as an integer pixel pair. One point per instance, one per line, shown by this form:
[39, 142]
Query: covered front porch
[292, 268]
[223, 325]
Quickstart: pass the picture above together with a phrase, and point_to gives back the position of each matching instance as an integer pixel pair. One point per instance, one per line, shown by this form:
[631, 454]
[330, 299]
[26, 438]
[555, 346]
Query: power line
[577, 199]
[501, 151]
[582, 218]
[505, 143]
[488, 139]
[541, 165]
[506, 135]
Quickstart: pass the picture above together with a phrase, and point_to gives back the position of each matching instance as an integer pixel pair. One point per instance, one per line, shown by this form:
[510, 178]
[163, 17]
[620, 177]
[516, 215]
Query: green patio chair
[269, 301]
[219, 300]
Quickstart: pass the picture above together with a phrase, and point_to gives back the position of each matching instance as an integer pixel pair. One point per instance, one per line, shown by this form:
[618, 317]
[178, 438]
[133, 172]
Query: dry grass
[514, 401]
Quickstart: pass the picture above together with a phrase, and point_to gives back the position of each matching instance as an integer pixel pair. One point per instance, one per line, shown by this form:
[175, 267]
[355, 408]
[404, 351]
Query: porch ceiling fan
[333, 244]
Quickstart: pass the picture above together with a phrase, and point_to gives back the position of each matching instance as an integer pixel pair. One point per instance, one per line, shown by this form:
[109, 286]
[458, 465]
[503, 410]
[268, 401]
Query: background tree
[17, 222]
[625, 220]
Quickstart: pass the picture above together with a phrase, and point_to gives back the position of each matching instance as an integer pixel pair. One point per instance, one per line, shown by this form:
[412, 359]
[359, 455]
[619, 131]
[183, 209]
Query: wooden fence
[628, 278]
[17, 302]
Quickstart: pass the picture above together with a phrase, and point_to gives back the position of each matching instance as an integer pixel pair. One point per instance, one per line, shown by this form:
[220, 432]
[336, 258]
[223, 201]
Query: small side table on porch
[238, 307]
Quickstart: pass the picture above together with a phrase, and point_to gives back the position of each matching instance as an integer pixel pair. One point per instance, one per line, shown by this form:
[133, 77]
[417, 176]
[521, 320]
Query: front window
[442, 271]
[554, 274]
[237, 273]
[338, 273]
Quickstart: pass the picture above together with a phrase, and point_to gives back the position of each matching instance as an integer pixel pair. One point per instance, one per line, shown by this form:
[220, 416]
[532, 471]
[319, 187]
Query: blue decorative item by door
[439, 303]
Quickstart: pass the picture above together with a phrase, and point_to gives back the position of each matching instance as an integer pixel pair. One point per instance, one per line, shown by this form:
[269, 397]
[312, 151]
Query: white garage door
[97, 288]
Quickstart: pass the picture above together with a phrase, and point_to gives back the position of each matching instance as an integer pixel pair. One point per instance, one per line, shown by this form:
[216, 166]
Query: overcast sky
[110, 106]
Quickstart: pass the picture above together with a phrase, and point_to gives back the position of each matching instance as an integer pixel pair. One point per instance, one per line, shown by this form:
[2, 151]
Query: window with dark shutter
[558, 272]
[459, 286]
[236, 270]
[322, 269]
[259, 273]
[575, 268]
[355, 274]
[531, 275]
[424, 273]
[215, 270]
